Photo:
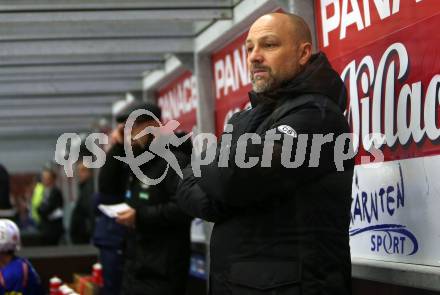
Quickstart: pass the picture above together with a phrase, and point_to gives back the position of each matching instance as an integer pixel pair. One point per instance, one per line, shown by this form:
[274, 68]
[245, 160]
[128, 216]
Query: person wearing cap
[109, 236]
[158, 242]
[17, 276]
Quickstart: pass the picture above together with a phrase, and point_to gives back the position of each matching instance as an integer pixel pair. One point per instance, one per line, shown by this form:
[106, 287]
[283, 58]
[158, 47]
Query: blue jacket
[19, 278]
[107, 233]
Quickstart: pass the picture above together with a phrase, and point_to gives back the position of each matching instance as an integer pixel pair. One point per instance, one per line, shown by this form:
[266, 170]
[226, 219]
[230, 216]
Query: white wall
[26, 155]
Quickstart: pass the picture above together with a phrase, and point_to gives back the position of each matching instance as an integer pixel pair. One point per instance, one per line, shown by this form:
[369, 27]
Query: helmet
[9, 236]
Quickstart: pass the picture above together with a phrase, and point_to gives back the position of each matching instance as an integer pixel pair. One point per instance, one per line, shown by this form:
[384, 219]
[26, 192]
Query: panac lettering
[231, 73]
[355, 13]
[179, 100]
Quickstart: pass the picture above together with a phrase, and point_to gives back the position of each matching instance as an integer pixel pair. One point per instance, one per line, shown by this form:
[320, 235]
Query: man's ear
[305, 50]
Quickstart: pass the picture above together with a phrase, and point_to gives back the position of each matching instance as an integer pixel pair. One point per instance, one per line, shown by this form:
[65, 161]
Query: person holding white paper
[157, 252]
[109, 237]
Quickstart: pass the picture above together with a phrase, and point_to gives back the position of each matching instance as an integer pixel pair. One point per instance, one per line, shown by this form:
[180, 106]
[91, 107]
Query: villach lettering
[381, 108]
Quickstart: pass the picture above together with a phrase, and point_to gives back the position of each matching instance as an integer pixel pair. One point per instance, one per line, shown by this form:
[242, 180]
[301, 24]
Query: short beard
[259, 84]
[263, 86]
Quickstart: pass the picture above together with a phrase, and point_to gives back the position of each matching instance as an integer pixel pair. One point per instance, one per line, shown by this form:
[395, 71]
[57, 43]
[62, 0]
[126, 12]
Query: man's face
[272, 52]
[138, 127]
[47, 179]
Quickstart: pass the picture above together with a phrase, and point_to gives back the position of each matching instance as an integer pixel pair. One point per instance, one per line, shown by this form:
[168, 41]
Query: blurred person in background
[82, 222]
[37, 199]
[23, 217]
[51, 209]
[157, 254]
[17, 276]
[109, 237]
[6, 210]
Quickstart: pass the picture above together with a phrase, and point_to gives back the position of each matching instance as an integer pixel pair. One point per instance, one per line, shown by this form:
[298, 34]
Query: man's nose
[255, 56]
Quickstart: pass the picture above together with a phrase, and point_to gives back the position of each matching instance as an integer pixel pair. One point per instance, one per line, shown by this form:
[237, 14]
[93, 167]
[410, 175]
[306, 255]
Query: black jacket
[83, 218]
[112, 188]
[5, 202]
[51, 211]
[158, 249]
[280, 230]
[113, 177]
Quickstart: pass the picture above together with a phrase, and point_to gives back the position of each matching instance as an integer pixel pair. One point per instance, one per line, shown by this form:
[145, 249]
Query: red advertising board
[178, 101]
[388, 54]
[232, 81]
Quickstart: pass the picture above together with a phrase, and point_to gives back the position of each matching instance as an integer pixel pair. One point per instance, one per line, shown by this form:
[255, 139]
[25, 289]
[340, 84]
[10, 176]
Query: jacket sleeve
[196, 202]
[168, 213]
[241, 187]
[86, 207]
[113, 176]
[54, 202]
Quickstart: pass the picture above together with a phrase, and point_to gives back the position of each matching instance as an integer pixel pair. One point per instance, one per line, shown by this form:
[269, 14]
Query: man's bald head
[279, 47]
[300, 28]
[293, 24]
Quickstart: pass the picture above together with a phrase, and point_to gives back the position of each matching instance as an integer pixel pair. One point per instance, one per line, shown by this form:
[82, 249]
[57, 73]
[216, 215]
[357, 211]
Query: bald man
[281, 224]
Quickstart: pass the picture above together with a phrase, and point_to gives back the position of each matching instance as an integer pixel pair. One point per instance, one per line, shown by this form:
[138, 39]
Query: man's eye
[270, 45]
[249, 49]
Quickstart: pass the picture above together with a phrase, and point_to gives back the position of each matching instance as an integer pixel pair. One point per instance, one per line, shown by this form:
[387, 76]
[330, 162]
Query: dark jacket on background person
[5, 202]
[83, 217]
[112, 188]
[4, 188]
[158, 249]
[280, 230]
[113, 177]
[109, 236]
[51, 213]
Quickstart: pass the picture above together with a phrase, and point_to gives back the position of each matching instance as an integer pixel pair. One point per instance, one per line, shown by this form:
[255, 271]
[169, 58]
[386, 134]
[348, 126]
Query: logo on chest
[143, 194]
[287, 130]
